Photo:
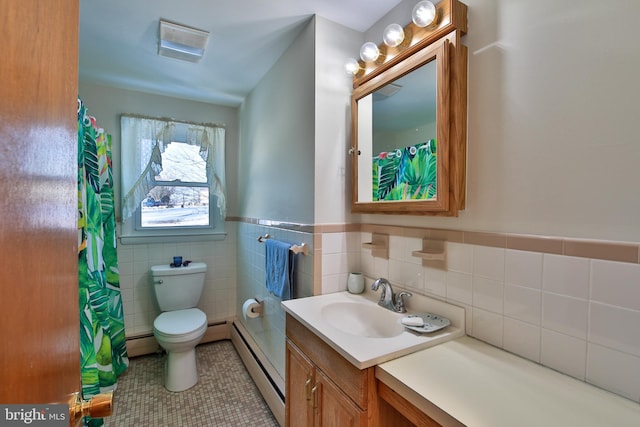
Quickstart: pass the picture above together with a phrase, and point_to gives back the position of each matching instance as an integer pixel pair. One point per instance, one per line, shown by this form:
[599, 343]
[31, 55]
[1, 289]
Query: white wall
[552, 145]
[577, 315]
[551, 151]
[334, 44]
[219, 295]
[108, 103]
[275, 167]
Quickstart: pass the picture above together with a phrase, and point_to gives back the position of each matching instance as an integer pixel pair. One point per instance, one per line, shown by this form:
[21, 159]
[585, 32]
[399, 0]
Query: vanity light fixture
[369, 52]
[393, 35]
[352, 66]
[181, 42]
[424, 13]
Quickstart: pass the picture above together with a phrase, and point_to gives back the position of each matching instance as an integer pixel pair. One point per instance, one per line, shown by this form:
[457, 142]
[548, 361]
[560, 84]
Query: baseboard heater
[269, 382]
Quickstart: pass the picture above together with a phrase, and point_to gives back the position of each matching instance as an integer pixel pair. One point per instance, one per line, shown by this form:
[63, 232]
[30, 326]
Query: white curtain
[143, 142]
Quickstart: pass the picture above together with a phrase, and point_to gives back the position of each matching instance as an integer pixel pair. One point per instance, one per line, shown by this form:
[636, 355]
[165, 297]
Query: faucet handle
[400, 307]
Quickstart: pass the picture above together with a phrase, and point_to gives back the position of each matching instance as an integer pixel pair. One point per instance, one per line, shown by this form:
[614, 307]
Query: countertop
[363, 351]
[465, 381]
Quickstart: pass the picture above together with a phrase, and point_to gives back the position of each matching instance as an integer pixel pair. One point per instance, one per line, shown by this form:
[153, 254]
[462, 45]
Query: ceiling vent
[180, 42]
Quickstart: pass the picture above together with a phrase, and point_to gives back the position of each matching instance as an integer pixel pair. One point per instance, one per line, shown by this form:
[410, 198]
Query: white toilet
[180, 326]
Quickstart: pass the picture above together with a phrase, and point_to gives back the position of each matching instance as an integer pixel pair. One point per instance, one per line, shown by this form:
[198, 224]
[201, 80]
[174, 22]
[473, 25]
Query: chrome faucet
[388, 299]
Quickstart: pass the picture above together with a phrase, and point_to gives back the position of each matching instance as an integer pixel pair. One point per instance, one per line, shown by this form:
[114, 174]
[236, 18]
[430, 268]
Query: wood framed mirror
[409, 123]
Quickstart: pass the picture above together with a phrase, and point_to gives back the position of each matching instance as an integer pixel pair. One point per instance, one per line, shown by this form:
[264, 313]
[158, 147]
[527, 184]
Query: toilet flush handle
[158, 282]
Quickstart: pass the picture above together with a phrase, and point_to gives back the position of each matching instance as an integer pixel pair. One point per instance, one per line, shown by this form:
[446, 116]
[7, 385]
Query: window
[172, 178]
[180, 197]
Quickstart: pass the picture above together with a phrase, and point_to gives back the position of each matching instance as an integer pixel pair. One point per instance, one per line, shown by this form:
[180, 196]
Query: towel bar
[302, 248]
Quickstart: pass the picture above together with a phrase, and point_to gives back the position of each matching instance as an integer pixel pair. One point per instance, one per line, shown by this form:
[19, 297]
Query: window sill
[184, 237]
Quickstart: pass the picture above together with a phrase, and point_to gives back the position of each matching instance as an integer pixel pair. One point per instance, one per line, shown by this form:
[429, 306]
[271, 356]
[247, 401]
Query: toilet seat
[180, 323]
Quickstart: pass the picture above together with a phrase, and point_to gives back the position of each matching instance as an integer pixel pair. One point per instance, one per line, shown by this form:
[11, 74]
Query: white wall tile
[615, 327]
[459, 257]
[522, 303]
[613, 370]
[522, 339]
[405, 274]
[532, 304]
[488, 294]
[409, 245]
[459, 287]
[566, 275]
[435, 281]
[334, 264]
[523, 268]
[125, 266]
[487, 326]
[396, 250]
[616, 283]
[334, 243]
[565, 314]
[564, 353]
[354, 242]
[141, 253]
[488, 262]
[127, 301]
[332, 283]
[138, 299]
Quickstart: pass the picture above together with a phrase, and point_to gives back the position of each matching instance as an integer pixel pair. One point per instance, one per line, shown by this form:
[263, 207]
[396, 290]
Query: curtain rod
[170, 119]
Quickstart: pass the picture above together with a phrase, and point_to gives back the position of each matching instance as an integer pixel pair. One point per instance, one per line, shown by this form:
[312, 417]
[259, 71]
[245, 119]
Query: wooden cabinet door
[333, 407]
[300, 378]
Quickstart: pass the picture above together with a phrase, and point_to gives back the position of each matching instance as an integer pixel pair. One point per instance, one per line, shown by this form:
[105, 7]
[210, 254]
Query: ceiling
[118, 42]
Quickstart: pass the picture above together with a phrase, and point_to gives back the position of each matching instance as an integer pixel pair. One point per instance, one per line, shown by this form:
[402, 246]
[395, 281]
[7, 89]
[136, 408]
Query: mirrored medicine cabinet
[409, 112]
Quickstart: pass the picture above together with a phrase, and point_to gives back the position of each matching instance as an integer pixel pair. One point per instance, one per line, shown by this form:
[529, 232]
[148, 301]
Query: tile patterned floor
[224, 396]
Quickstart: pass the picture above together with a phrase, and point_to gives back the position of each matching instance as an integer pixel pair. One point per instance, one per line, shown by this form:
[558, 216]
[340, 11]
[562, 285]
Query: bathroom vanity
[334, 378]
[335, 342]
[323, 388]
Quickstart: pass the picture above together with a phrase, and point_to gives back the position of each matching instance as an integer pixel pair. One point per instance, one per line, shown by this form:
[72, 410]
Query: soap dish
[432, 323]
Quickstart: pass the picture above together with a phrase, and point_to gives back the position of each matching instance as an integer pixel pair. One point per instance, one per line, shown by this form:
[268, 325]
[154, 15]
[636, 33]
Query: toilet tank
[177, 288]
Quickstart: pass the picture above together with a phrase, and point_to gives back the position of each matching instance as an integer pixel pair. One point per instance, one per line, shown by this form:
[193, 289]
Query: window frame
[132, 231]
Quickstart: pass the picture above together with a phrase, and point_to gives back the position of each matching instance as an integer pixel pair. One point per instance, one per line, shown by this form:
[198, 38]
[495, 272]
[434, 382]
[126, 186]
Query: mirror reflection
[397, 139]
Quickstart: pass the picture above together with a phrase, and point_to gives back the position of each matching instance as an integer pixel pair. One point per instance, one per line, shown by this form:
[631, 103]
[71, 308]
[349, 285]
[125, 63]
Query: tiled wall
[269, 330]
[559, 305]
[575, 314]
[219, 295]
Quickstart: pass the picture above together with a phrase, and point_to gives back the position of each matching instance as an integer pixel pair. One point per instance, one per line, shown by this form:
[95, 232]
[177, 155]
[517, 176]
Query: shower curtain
[103, 354]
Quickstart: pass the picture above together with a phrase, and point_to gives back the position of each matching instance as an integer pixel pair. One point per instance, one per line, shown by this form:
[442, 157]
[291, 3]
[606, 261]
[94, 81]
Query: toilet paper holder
[259, 309]
[252, 308]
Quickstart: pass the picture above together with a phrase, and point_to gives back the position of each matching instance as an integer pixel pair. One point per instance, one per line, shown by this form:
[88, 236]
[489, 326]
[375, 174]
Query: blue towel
[279, 263]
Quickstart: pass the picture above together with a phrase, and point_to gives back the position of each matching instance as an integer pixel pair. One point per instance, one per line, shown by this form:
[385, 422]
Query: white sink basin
[363, 320]
[367, 334]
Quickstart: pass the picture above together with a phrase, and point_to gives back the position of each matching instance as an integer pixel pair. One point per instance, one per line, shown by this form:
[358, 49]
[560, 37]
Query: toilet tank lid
[167, 270]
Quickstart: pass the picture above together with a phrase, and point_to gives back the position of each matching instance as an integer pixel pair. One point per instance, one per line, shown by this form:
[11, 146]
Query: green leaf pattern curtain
[103, 353]
[408, 173]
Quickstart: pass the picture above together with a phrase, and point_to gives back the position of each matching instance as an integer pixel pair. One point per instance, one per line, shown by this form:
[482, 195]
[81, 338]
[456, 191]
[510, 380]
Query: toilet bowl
[180, 326]
[178, 332]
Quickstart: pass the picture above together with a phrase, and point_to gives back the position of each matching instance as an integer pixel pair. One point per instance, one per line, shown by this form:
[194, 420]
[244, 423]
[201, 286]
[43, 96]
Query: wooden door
[300, 379]
[39, 330]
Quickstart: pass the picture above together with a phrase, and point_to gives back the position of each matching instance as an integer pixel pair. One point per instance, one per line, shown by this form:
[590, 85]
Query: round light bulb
[423, 13]
[393, 35]
[352, 66]
[369, 52]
